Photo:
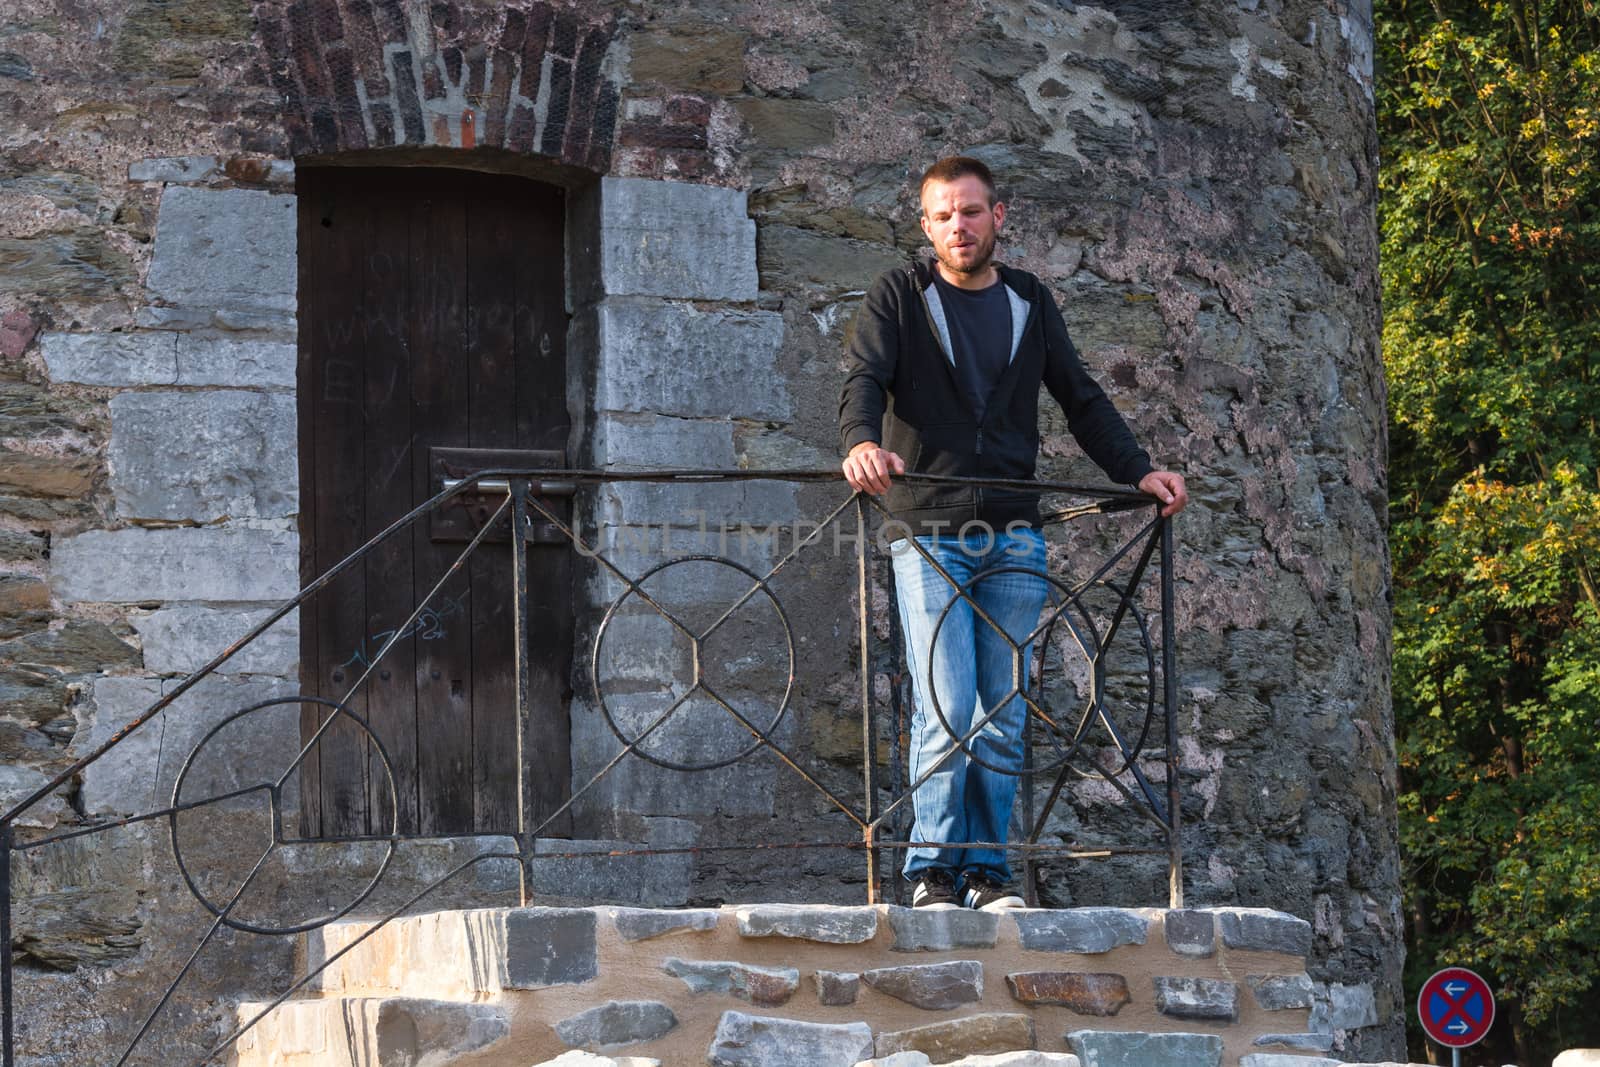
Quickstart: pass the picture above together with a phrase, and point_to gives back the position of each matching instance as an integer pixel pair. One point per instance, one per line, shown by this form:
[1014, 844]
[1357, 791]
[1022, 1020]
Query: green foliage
[1489, 121]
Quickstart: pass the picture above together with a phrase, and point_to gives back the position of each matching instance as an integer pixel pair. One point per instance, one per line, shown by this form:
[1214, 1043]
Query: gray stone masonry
[922, 930]
[1264, 931]
[657, 881]
[1025, 1058]
[756, 1041]
[1191, 933]
[232, 248]
[1106, 1048]
[549, 946]
[837, 988]
[1343, 1007]
[185, 637]
[674, 359]
[1279, 992]
[204, 456]
[237, 363]
[931, 986]
[173, 169]
[984, 1032]
[672, 239]
[829, 925]
[642, 924]
[126, 359]
[1085, 930]
[1197, 998]
[767, 986]
[1298, 1042]
[133, 566]
[617, 1022]
[138, 775]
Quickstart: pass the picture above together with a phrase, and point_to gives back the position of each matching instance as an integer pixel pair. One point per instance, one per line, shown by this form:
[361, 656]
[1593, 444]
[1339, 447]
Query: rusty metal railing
[1086, 741]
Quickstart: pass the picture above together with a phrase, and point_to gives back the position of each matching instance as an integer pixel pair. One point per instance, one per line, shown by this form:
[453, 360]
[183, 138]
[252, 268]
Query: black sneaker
[982, 893]
[936, 891]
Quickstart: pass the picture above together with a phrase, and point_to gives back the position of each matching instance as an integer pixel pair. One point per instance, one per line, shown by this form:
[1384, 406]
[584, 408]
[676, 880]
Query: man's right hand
[868, 468]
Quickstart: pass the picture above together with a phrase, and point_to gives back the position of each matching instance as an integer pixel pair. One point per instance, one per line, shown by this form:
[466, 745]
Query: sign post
[1456, 1008]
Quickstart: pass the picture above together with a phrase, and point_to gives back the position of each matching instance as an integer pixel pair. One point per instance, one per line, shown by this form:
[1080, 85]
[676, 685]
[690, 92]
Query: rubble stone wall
[1195, 182]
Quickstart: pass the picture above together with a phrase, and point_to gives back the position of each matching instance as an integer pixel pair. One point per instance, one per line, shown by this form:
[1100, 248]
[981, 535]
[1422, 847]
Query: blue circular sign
[1456, 1007]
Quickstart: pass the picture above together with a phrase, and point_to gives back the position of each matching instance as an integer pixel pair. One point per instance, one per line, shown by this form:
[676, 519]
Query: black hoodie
[902, 392]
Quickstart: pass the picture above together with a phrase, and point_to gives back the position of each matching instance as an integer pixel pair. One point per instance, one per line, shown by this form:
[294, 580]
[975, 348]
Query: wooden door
[431, 316]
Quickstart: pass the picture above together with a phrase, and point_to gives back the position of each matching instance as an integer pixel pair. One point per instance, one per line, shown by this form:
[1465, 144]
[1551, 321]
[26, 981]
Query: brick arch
[530, 77]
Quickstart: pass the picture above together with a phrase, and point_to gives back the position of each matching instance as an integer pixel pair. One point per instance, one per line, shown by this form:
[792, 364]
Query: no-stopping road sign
[1456, 1007]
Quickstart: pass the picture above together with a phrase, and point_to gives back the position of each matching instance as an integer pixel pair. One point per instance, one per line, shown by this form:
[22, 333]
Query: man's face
[961, 223]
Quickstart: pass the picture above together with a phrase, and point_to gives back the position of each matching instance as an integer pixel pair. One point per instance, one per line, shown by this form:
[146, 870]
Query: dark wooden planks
[492, 401]
[542, 423]
[337, 338]
[390, 598]
[439, 384]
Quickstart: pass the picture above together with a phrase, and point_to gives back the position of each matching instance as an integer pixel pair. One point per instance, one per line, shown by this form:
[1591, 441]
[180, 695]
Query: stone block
[184, 638]
[1084, 993]
[1276, 1059]
[173, 169]
[1197, 998]
[1578, 1057]
[1085, 930]
[932, 986]
[19, 783]
[549, 947]
[1279, 992]
[790, 259]
[225, 248]
[1191, 933]
[837, 988]
[787, 124]
[1299, 1042]
[709, 505]
[758, 1041]
[1109, 1048]
[704, 57]
[675, 359]
[202, 456]
[823, 923]
[990, 1032]
[922, 930]
[416, 1031]
[217, 564]
[766, 986]
[111, 358]
[237, 363]
[666, 239]
[79, 646]
[655, 881]
[617, 1022]
[1263, 930]
[138, 774]
[1024, 1058]
[644, 440]
[1344, 1007]
[643, 924]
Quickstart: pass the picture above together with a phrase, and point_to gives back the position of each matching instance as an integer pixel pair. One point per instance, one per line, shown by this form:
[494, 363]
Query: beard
[983, 253]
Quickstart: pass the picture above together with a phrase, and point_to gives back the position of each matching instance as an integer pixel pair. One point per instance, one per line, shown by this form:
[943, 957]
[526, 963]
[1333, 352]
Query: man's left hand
[1168, 488]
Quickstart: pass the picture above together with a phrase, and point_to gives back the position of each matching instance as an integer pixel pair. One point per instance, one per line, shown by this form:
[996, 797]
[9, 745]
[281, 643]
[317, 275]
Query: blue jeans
[975, 672]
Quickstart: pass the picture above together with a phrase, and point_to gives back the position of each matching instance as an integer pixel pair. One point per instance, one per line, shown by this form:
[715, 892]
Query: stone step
[377, 1032]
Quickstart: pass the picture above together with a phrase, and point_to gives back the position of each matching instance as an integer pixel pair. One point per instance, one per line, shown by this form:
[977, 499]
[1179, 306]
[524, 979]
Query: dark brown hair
[951, 168]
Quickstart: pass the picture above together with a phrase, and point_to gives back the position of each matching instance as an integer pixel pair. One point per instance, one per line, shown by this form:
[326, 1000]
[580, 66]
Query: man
[960, 346]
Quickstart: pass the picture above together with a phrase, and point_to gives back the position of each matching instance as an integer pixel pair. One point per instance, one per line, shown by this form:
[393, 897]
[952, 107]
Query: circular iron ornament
[277, 820]
[1087, 718]
[611, 720]
[1149, 649]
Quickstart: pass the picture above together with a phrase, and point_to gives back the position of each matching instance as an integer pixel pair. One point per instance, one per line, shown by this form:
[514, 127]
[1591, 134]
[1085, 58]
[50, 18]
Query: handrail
[528, 494]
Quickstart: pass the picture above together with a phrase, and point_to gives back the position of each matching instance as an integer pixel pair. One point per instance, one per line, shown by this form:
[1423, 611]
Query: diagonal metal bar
[788, 557]
[211, 931]
[402, 631]
[161, 813]
[777, 749]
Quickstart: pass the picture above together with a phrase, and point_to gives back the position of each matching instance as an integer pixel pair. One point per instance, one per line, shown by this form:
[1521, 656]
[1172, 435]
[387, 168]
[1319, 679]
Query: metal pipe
[519, 489]
[869, 722]
[1169, 685]
[6, 1026]
[503, 485]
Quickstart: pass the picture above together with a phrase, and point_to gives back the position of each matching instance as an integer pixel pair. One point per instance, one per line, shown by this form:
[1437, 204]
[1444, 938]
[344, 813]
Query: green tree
[1489, 124]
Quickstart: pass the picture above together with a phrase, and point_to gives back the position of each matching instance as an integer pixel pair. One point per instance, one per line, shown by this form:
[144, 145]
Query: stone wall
[1194, 181]
[780, 985]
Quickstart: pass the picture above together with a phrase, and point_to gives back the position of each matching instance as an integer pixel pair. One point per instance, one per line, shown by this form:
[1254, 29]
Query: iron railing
[1089, 742]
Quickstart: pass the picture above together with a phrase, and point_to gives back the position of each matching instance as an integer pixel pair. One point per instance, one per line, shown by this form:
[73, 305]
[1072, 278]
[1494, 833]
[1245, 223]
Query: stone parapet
[753, 984]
